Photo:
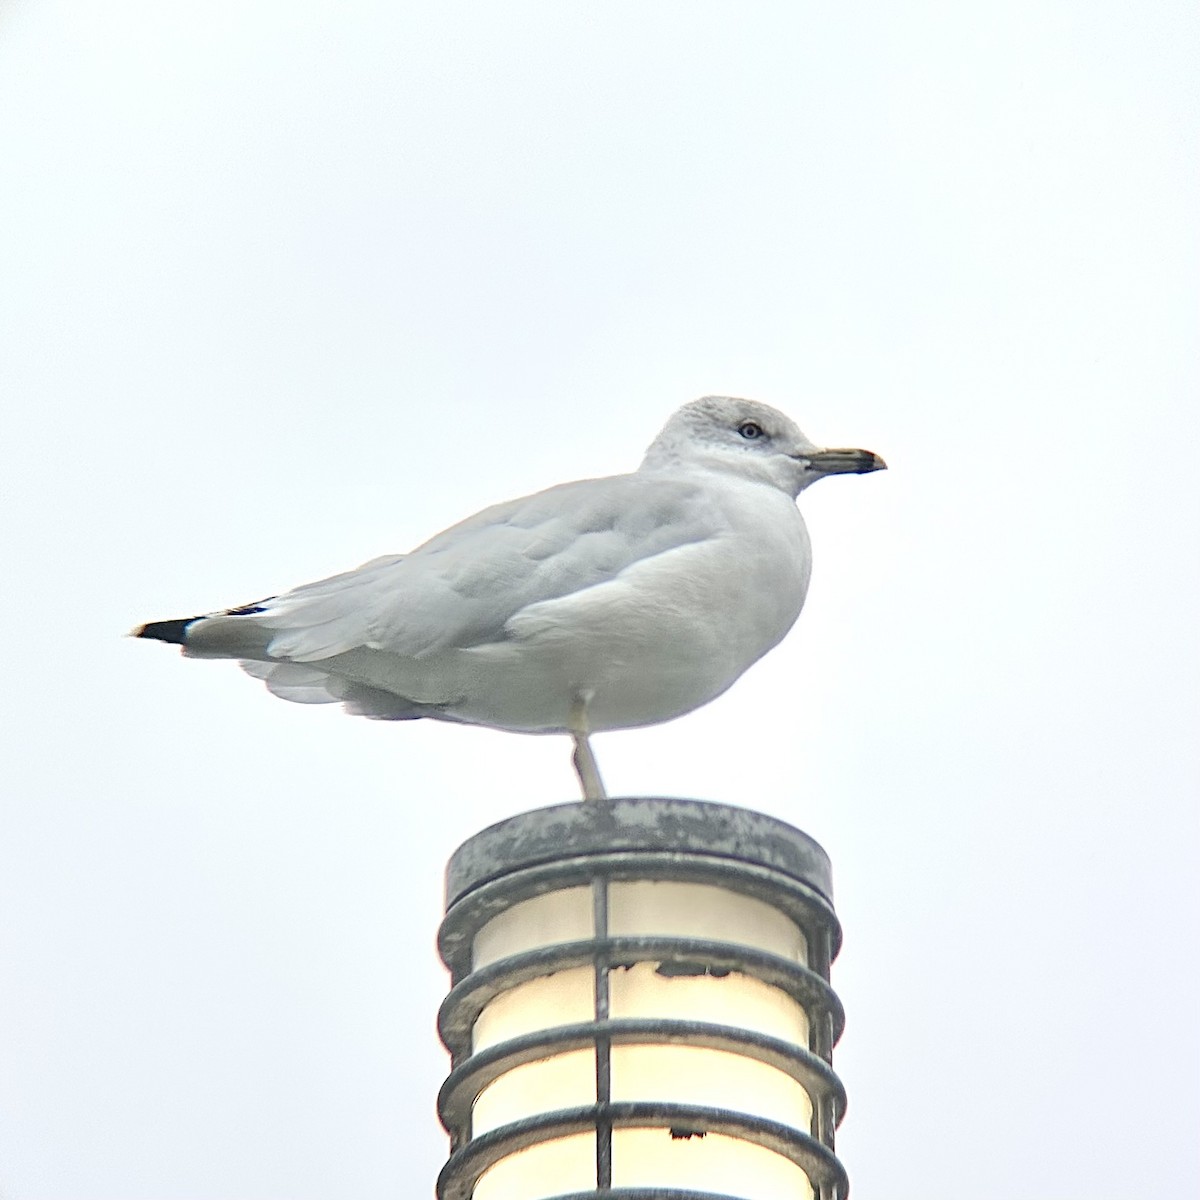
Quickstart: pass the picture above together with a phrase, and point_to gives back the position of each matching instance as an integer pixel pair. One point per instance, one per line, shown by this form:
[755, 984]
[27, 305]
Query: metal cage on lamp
[640, 1008]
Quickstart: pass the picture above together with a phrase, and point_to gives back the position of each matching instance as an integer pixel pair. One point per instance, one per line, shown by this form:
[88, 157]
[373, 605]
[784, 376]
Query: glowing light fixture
[640, 1008]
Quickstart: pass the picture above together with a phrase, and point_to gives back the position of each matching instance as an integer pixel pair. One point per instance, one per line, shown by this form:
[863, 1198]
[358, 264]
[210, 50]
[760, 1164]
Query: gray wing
[463, 586]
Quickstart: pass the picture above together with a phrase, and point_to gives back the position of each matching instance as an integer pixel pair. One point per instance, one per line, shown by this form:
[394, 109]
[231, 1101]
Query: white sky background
[284, 286]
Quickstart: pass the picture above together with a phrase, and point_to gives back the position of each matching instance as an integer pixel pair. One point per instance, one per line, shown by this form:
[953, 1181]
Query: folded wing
[464, 586]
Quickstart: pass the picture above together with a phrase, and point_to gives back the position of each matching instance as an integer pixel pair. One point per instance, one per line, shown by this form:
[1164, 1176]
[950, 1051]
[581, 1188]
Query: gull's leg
[583, 758]
[586, 769]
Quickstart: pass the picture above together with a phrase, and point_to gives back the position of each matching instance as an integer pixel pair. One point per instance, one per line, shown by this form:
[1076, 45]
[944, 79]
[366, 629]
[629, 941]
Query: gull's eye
[750, 430]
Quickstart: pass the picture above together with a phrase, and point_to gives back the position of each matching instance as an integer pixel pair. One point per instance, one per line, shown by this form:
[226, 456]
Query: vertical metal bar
[822, 1033]
[603, 1044]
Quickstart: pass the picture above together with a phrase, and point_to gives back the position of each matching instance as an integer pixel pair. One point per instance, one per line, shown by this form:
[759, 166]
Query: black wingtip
[174, 631]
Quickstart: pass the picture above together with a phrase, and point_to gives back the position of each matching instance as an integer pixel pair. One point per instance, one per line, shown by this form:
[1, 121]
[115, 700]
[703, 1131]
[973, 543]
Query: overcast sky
[284, 286]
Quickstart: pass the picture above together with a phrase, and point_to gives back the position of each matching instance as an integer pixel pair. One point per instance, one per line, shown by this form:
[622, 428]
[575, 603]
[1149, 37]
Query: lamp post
[640, 1007]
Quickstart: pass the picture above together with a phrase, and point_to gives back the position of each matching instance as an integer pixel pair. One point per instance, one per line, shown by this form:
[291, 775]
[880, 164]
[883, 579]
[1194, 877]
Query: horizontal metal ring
[472, 1075]
[662, 1193]
[466, 1000]
[466, 1165]
[804, 905]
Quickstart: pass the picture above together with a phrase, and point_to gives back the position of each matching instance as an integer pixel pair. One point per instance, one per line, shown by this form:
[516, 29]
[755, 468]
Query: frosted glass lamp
[640, 1008]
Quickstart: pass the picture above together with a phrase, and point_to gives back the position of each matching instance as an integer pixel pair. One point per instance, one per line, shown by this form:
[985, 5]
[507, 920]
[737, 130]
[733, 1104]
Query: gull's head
[744, 437]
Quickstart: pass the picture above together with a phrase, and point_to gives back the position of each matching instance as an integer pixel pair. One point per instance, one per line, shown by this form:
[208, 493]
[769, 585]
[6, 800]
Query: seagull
[594, 605]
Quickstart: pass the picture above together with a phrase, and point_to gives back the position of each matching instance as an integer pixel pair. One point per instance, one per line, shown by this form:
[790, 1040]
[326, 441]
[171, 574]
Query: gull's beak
[843, 462]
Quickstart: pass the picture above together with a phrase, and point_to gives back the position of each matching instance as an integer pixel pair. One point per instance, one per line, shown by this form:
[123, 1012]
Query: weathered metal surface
[637, 823]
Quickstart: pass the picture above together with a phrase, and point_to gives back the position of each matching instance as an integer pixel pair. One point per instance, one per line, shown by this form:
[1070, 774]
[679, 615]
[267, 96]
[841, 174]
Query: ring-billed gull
[595, 605]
